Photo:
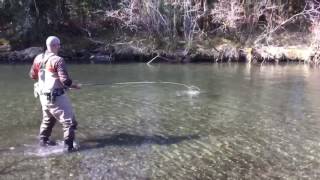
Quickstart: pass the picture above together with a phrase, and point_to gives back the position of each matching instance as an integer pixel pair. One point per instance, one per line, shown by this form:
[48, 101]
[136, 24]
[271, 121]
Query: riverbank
[113, 48]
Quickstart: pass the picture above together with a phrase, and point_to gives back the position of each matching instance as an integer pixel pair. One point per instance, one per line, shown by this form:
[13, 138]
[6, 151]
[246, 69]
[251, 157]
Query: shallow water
[237, 122]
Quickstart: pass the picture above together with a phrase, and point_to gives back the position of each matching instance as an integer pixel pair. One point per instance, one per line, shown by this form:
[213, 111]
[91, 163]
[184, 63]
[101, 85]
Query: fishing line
[142, 82]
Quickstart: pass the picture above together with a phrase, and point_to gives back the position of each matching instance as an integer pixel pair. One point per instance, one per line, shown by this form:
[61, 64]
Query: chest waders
[46, 81]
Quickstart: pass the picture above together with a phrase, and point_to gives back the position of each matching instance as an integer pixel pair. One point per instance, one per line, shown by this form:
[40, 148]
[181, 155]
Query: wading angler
[49, 70]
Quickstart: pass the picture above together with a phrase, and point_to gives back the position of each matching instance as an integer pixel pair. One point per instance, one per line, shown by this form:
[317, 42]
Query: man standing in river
[53, 80]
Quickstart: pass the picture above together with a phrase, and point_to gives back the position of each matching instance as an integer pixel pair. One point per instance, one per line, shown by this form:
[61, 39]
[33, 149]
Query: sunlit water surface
[203, 121]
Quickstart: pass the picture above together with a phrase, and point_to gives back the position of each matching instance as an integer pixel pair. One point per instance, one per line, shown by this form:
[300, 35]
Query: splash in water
[36, 150]
[193, 92]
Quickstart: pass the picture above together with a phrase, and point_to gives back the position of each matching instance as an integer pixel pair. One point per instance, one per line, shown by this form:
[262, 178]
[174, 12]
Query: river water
[236, 122]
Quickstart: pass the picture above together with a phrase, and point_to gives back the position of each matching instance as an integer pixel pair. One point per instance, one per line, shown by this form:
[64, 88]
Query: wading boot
[68, 146]
[44, 142]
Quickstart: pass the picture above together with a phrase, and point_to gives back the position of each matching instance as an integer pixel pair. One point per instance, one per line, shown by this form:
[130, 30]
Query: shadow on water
[124, 139]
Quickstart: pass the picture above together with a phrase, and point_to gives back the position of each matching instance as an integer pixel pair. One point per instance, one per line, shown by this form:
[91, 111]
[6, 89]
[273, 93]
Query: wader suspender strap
[43, 63]
[43, 66]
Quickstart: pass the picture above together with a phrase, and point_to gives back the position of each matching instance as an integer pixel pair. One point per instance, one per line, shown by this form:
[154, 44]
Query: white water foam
[190, 93]
[193, 92]
[36, 150]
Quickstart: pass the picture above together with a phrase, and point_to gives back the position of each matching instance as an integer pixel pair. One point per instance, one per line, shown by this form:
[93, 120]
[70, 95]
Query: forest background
[163, 30]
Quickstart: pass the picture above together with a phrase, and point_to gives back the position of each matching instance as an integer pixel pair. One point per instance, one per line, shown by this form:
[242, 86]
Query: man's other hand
[75, 86]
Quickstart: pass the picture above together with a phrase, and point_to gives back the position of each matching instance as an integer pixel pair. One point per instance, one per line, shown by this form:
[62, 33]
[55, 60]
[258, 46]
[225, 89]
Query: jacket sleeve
[33, 74]
[63, 73]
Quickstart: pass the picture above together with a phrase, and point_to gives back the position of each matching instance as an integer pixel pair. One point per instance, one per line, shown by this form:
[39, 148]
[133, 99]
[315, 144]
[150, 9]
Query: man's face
[56, 47]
